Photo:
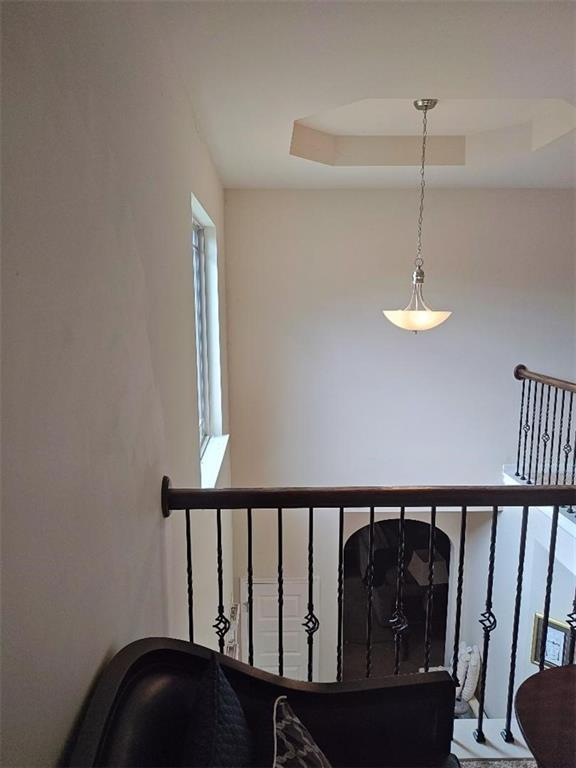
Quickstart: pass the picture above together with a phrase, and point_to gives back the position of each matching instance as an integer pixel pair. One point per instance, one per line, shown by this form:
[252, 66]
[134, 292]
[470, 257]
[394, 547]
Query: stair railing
[546, 450]
[463, 500]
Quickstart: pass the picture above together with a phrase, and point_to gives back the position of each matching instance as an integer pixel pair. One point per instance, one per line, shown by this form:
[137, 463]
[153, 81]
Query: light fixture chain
[419, 261]
[416, 316]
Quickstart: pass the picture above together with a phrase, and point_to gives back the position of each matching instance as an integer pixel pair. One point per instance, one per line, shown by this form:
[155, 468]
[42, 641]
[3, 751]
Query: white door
[266, 627]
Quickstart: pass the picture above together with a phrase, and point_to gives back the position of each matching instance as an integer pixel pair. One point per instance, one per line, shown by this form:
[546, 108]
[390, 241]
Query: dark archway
[384, 598]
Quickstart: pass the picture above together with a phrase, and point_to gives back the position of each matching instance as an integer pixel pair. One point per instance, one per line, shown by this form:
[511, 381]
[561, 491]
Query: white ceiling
[450, 117]
[476, 133]
[253, 68]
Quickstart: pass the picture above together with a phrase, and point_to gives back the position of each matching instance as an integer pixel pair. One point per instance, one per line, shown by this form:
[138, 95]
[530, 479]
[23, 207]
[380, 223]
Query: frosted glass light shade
[417, 316]
[416, 319]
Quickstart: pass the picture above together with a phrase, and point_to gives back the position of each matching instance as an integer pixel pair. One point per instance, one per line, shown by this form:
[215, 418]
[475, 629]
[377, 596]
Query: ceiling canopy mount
[425, 104]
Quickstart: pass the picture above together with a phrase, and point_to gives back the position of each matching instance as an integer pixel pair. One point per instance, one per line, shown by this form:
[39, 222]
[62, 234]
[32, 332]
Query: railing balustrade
[546, 449]
[462, 500]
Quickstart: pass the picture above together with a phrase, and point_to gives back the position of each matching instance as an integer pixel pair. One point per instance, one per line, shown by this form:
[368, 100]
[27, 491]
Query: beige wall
[327, 392]
[100, 157]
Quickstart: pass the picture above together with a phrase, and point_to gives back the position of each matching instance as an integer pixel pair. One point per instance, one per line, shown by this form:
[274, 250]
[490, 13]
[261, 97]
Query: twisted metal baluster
[250, 591]
[488, 623]
[567, 448]
[507, 733]
[189, 583]
[549, 578]
[280, 596]
[430, 592]
[311, 623]
[398, 622]
[546, 435]
[532, 431]
[552, 437]
[573, 466]
[574, 461]
[571, 621]
[526, 429]
[221, 624]
[539, 434]
[560, 436]
[459, 595]
[370, 594]
[520, 428]
[340, 595]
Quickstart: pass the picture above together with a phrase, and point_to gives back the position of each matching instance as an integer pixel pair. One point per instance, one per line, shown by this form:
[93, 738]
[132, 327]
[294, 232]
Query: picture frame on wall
[557, 642]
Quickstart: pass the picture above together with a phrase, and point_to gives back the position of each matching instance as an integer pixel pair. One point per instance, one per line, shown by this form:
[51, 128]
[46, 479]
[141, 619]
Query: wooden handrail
[521, 372]
[322, 498]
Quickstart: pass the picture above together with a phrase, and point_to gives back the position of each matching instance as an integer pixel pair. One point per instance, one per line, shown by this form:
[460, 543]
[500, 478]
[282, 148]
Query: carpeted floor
[498, 763]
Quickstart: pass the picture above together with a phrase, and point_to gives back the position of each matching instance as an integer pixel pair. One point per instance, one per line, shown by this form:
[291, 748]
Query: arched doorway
[416, 539]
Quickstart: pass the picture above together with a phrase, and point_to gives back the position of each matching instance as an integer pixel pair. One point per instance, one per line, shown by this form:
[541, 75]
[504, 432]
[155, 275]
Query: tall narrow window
[212, 442]
[202, 361]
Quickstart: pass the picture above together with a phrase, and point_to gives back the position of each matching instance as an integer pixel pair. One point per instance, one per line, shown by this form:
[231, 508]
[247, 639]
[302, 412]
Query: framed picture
[557, 642]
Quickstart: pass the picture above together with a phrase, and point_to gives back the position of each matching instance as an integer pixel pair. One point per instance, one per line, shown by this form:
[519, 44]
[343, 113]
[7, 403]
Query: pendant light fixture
[417, 316]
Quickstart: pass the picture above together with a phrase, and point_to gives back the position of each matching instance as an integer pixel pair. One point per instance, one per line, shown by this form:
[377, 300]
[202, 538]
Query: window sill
[212, 460]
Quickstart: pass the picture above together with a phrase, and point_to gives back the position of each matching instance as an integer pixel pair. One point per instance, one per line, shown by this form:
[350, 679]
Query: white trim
[465, 746]
[212, 460]
[566, 520]
[213, 329]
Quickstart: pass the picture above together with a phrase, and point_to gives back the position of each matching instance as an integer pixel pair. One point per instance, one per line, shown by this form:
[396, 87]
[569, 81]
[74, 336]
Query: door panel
[266, 627]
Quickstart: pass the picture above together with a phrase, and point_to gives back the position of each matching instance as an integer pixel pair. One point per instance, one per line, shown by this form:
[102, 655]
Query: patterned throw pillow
[220, 737]
[293, 745]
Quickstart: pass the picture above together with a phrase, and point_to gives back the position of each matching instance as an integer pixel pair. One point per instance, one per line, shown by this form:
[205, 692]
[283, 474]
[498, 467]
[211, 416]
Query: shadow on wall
[356, 562]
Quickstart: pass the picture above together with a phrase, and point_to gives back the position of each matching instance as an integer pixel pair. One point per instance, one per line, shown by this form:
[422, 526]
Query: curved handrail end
[164, 496]
[521, 373]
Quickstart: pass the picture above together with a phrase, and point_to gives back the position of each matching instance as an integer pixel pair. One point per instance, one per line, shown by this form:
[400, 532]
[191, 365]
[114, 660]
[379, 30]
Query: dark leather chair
[142, 709]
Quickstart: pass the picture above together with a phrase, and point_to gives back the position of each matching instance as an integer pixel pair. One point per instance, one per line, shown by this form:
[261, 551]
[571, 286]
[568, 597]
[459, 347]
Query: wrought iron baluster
[560, 426]
[430, 591]
[370, 594]
[573, 460]
[567, 448]
[280, 596]
[552, 437]
[549, 578]
[526, 429]
[488, 623]
[507, 733]
[399, 623]
[221, 625]
[250, 590]
[311, 622]
[546, 435]
[189, 583]
[520, 428]
[539, 434]
[459, 594]
[532, 431]
[571, 621]
[340, 595]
